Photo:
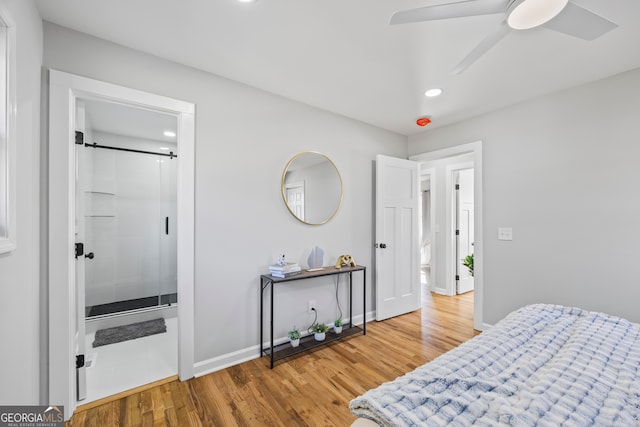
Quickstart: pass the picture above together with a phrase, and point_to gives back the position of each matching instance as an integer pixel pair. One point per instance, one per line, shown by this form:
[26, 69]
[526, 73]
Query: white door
[80, 180]
[465, 235]
[295, 198]
[397, 237]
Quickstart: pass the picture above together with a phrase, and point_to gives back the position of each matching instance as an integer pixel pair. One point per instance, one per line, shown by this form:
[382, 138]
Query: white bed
[542, 365]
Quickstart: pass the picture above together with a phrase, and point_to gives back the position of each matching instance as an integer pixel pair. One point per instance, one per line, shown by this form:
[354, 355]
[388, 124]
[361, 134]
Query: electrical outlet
[312, 305]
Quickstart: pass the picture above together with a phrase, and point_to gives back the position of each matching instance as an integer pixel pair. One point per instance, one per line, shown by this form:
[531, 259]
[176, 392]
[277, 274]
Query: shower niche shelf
[106, 193]
[99, 204]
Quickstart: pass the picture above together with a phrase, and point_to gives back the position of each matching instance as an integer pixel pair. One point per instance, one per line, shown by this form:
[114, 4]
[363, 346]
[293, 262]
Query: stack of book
[285, 270]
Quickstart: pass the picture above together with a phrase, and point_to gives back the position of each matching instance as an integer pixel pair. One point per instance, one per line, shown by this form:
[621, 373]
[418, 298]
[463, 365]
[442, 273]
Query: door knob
[383, 245]
[89, 255]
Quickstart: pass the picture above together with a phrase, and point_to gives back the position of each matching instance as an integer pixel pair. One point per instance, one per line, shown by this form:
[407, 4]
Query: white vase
[295, 343]
[337, 329]
[319, 336]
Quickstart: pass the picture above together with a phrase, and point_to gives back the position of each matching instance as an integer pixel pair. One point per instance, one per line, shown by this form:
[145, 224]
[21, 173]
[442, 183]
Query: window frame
[7, 132]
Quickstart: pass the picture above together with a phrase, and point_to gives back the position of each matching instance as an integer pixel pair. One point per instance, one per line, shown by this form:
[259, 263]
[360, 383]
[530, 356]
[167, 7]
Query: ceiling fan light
[525, 14]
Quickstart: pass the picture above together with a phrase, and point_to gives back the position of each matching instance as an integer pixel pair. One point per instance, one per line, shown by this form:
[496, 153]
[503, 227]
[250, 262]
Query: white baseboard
[225, 361]
[358, 320]
[486, 326]
[246, 354]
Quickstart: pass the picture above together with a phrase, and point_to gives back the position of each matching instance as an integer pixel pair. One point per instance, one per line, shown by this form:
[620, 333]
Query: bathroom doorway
[67, 257]
[126, 218]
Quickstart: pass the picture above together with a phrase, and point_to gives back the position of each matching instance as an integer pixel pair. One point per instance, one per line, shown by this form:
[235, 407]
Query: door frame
[451, 212]
[433, 188]
[478, 273]
[64, 89]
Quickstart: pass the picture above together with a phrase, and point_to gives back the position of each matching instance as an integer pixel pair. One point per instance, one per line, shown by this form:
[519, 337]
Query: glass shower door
[130, 226]
[168, 238]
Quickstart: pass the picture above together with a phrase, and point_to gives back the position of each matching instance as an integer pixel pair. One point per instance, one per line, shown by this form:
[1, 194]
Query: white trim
[64, 89]
[447, 152]
[186, 243]
[226, 360]
[8, 241]
[478, 271]
[358, 319]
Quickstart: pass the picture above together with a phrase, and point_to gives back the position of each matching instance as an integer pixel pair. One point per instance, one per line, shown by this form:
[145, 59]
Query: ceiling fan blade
[579, 22]
[449, 10]
[487, 43]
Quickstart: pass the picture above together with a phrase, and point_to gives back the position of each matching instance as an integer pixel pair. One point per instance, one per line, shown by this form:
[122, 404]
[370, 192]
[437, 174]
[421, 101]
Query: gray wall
[562, 170]
[19, 270]
[244, 138]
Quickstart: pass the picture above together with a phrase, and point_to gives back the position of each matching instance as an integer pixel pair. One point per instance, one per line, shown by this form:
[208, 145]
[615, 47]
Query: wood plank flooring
[311, 389]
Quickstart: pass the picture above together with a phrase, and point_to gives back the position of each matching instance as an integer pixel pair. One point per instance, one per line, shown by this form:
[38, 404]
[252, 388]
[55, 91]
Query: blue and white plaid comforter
[542, 365]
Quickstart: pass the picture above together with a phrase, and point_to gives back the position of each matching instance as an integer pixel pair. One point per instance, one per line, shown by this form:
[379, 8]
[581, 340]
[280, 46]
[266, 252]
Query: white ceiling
[344, 57]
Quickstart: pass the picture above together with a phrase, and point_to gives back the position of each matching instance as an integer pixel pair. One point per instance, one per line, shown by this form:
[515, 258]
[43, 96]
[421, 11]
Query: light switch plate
[505, 233]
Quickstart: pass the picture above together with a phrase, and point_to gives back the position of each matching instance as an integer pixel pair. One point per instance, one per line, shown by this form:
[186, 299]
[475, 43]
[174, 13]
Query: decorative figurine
[345, 260]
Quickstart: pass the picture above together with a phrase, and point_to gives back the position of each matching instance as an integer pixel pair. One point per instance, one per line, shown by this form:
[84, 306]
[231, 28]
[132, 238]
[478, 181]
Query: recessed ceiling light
[169, 133]
[525, 14]
[164, 148]
[432, 93]
[247, 1]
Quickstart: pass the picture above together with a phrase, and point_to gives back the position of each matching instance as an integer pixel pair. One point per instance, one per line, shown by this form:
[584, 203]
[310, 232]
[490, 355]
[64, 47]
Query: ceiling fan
[563, 16]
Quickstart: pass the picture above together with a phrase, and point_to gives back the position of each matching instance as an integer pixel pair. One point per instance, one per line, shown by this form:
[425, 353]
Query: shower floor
[131, 304]
[115, 368]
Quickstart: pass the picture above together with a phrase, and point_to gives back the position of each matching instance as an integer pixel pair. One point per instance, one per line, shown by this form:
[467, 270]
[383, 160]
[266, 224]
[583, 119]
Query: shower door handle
[166, 225]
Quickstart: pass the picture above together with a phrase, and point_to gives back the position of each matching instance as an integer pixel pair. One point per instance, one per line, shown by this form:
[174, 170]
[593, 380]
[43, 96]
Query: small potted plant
[337, 326]
[319, 331]
[468, 262]
[294, 337]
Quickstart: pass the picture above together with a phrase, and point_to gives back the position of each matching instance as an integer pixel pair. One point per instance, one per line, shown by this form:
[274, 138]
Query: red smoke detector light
[423, 121]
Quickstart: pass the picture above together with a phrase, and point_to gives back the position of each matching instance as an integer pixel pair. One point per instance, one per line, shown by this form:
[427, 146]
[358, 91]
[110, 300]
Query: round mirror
[312, 187]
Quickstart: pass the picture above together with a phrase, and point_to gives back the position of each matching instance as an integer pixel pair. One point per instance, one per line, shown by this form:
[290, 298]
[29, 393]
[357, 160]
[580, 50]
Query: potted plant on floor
[294, 337]
[468, 262]
[319, 331]
[337, 326]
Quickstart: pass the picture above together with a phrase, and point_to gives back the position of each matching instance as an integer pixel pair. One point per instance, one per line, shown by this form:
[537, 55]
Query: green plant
[337, 322]
[294, 334]
[468, 262]
[319, 328]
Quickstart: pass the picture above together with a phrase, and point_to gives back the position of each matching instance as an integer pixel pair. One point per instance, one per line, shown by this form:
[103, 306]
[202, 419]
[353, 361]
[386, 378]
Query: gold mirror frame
[306, 219]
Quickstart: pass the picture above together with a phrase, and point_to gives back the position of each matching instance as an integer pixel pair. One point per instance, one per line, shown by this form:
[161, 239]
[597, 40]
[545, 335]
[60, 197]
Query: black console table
[306, 343]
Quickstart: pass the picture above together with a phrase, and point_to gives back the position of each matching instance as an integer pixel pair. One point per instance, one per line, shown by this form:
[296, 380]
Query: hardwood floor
[311, 389]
